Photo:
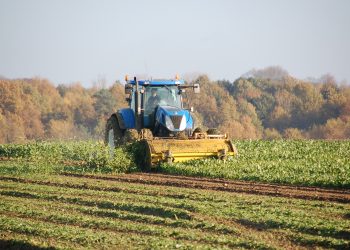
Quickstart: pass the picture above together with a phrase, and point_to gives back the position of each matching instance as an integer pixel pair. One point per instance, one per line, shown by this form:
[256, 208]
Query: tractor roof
[157, 82]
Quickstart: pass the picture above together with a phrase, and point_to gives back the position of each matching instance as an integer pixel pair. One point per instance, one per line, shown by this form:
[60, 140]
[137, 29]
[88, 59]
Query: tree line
[251, 107]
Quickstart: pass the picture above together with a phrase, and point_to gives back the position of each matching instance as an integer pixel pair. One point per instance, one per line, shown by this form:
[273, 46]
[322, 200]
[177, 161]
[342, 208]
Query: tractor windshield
[161, 95]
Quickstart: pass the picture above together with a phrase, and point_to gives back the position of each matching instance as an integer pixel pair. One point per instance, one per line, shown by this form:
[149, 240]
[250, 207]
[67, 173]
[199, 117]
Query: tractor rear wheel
[113, 133]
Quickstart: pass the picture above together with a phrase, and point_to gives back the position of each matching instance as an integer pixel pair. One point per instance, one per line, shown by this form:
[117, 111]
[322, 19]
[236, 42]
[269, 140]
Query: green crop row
[301, 162]
[78, 212]
[76, 156]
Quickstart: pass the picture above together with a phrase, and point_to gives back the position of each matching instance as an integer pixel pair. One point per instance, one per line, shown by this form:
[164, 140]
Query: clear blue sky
[81, 40]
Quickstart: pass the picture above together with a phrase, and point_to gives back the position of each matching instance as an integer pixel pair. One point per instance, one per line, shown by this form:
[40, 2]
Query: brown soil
[299, 192]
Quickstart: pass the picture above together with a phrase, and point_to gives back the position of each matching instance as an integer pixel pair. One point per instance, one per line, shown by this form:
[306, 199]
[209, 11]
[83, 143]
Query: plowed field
[166, 211]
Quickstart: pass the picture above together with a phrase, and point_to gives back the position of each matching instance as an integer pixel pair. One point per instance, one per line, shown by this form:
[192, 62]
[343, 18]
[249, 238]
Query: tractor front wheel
[130, 136]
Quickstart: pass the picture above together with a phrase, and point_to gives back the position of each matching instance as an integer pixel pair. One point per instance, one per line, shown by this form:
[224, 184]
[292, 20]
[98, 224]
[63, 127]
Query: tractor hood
[173, 118]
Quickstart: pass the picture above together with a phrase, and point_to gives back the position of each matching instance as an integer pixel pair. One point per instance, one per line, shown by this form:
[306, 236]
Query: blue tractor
[156, 117]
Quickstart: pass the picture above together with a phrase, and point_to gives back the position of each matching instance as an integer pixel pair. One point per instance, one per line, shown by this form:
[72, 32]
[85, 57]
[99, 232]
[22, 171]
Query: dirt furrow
[309, 193]
[242, 183]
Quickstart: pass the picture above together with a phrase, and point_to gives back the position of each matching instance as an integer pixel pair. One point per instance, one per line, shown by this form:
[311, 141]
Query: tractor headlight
[183, 123]
[169, 124]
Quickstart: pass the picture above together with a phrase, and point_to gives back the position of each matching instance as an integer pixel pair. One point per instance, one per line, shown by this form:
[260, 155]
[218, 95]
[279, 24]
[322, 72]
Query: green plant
[76, 156]
[302, 162]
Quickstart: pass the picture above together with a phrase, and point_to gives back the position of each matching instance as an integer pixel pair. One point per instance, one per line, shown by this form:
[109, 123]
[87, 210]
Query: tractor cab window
[161, 95]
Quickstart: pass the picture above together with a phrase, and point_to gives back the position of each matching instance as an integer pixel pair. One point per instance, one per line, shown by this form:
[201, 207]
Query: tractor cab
[162, 96]
[160, 107]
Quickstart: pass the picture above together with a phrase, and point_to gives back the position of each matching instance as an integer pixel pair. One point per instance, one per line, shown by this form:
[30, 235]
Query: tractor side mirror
[196, 88]
[128, 88]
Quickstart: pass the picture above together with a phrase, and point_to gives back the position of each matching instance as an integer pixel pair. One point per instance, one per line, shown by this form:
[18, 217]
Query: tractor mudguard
[126, 118]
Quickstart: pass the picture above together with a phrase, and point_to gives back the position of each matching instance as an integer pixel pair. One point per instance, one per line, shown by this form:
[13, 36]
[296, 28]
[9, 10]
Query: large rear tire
[113, 134]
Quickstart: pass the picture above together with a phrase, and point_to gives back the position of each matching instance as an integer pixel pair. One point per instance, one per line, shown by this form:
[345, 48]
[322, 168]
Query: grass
[74, 212]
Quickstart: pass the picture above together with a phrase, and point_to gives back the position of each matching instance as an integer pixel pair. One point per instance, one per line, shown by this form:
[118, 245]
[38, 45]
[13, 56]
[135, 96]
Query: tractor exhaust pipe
[137, 106]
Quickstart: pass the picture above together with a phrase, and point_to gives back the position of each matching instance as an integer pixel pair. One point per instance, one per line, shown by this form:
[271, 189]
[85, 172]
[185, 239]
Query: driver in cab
[154, 99]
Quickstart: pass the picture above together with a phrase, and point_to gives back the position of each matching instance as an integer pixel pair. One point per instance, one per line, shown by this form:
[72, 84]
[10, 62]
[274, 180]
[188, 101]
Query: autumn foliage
[250, 107]
[36, 109]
